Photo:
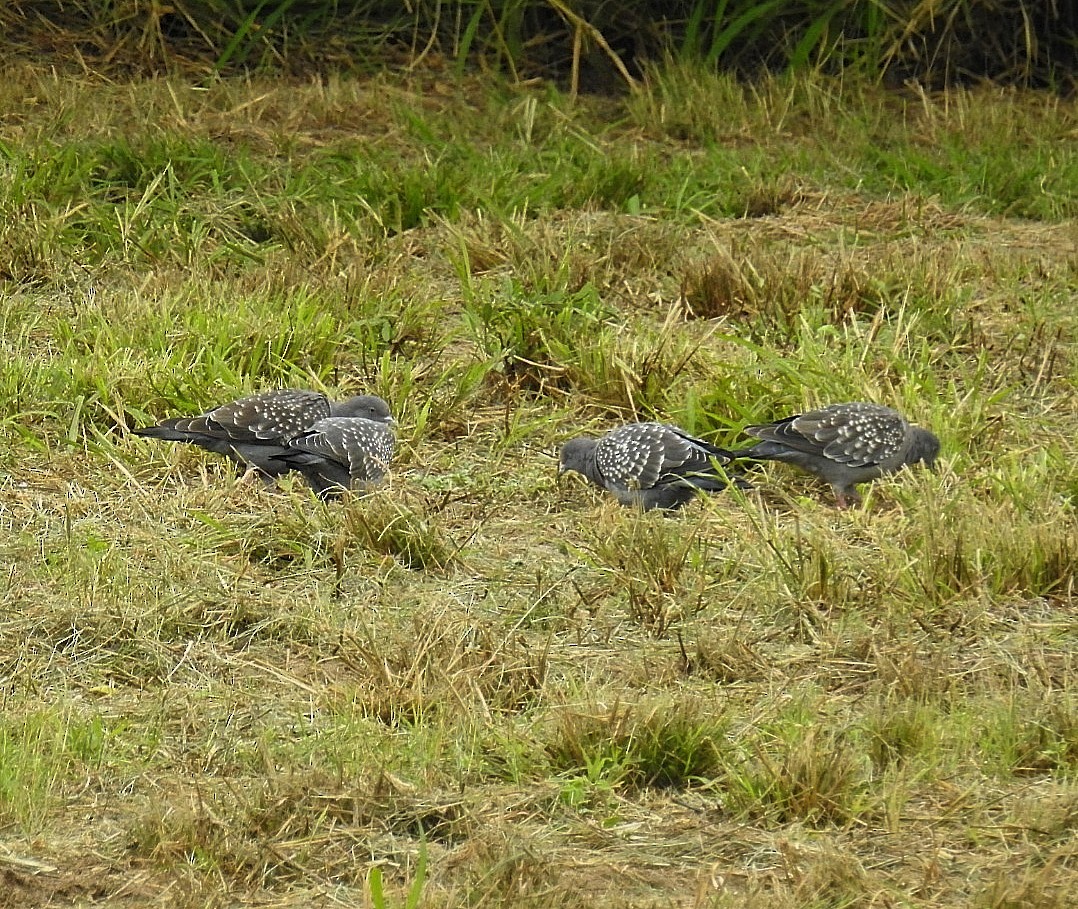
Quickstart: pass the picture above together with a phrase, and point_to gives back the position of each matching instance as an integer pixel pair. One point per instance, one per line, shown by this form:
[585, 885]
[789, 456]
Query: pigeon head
[370, 407]
[923, 447]
[578, 455]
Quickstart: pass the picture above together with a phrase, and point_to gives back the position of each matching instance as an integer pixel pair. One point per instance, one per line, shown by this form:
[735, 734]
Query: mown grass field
[478, 686]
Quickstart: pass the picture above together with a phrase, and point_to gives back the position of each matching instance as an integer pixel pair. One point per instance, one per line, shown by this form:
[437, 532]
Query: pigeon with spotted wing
[649, 465]
[844, 444]
[341, 453]
[253, 430]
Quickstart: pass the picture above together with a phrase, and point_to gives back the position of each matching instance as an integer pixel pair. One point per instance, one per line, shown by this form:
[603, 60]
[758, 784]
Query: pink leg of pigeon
[842, 500]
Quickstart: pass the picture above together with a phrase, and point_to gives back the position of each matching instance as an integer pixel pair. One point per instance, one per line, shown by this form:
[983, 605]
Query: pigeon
[340, 453]
[649, 465]
[253, 429]
[844, 444]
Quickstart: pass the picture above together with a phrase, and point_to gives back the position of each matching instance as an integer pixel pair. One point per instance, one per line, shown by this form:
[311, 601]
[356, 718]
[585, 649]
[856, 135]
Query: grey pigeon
[253, 429]
[341, 453]
[649, 465]
[844, 444]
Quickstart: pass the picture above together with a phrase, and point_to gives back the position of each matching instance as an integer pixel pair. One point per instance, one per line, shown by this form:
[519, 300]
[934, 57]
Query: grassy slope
[215, 695]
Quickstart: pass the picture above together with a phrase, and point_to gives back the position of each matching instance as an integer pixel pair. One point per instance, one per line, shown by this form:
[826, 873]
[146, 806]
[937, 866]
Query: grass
[478, 686]
[589, 47]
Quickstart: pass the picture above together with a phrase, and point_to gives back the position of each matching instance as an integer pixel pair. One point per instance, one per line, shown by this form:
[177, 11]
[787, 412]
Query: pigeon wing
[269, 415]
[630, 457]
[350, 449]
[644, 455]
[688, 454]
[858, 435]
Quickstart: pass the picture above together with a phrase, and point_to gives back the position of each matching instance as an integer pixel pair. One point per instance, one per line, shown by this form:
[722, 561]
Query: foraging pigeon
[844, 444]
[341, 453]
[252, 430]
[651, 465]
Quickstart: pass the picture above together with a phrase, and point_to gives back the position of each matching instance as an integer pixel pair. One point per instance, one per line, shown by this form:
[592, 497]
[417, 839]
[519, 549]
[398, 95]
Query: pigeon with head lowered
[253, 429]
[649, 465]
[341, 453]
[844, 444]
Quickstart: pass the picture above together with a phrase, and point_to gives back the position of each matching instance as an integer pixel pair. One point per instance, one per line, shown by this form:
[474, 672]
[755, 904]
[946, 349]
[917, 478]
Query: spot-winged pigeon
[341, 453]
[253, 429]
[844, 444]
[650, 465]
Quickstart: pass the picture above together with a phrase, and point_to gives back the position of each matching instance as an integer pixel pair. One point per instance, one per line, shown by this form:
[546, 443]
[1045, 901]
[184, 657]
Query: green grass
[477, 685]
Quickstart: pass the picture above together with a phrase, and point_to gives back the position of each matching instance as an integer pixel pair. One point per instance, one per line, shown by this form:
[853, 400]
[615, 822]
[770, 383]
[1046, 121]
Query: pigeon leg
[844, 499]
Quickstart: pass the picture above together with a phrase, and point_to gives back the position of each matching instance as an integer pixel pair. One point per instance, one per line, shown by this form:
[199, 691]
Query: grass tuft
[815, 777]
[437, 665]
[656, 565]
[408, 533]
[663, 745]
